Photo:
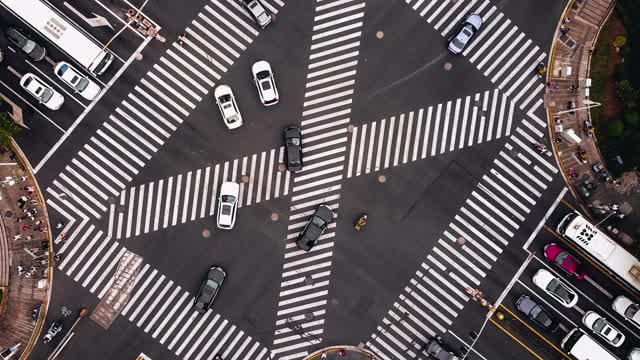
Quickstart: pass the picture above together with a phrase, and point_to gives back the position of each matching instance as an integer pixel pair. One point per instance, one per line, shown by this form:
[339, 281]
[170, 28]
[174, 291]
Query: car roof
[324, 212]
[475, 20]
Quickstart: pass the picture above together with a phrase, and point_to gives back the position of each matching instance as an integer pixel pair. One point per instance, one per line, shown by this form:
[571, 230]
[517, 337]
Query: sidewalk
[25, 240]
[576, 37]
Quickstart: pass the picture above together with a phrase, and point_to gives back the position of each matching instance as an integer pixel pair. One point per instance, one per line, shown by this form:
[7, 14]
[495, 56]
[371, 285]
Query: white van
[582, 347]
[570, 136]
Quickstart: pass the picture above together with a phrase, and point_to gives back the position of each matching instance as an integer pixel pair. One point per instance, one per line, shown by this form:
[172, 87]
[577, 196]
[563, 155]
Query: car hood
[325, 213]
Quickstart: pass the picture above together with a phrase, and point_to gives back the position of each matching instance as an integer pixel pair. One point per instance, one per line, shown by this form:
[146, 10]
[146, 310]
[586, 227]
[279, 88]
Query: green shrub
[615, 128]
[8, 128]
[631, 119]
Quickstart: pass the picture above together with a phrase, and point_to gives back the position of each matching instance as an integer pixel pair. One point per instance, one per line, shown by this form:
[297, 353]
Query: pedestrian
[63, 236]
[564, 30]
[181, 38]
[25, 227]
[323, 356]
[343, 352]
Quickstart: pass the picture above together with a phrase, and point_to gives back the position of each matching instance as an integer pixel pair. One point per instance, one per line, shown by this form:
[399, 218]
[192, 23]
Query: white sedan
[40, 90]
[627, 308]
[459, 40]
[228, 204]
[553, 286]
[263, 77]
[602, 328]
[80, 83]
[228, 106]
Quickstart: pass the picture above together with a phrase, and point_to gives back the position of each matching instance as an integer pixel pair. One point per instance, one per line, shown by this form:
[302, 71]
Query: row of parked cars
[562, 293]
[40, 89]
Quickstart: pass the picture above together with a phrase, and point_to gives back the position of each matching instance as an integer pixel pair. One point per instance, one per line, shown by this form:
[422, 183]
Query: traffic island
[342, 352]
[25, 256]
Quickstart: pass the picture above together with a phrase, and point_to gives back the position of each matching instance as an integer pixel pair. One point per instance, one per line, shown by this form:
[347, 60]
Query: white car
[460, 39]
[627, 308]
[228, 106]
[81, 84]
[263, 77]
[228, 204]
[602, 328]
[634, 354]
[258, 12]
[553, 286]
[41, 91]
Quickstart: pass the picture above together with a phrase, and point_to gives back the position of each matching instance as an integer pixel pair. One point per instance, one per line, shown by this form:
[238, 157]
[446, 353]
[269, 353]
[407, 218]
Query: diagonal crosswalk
[464, 254]
[501, 51]
[148, 115]
[301, 307]
[428, 132]
[187, 197]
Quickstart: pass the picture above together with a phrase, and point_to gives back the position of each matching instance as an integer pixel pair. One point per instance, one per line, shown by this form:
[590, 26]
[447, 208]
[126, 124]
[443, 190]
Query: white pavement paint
[154, 109]
[479, 233]
[330, 82]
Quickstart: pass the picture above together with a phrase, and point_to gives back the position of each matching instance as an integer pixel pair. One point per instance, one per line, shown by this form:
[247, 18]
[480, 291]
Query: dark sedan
[30, 47]
[315, 227]
[536, 313]
[293, 144]
[209, 289]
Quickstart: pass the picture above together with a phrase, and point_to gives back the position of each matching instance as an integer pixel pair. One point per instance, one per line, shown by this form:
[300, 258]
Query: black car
[436, 350]
[30, 47]
[602, 173]
[293, 144]
[315, 227]
[536, 313]
[570, 107]
[209, 289]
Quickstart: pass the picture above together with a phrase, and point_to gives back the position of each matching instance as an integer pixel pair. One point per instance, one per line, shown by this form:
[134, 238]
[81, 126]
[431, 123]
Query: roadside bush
[615, 128]
[8, 128]
[631, 119]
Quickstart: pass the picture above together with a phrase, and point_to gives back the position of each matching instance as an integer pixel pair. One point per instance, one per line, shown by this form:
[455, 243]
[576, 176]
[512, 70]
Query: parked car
[315, 227]
[603, 174]
[563, 260]
[536, 313]
[461, 38]
[228, 107]
[570, 107]
[555, 288]
[601, 327]
[228, 204]
[584, 191]
[80, 83]
[23, 41]
[209, 289]
[265, 82]
[436, 350]
[8, 352]
[44, 93]
[634, 354]
[293, 144]
[627, 308]
[258, 12]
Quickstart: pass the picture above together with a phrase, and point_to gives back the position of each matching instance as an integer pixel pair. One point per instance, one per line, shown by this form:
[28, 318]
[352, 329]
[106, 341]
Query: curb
[315, 355]
[45, 304]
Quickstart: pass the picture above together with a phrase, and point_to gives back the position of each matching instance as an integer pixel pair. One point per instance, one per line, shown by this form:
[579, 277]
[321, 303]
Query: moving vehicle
[209, 289]
[578, 344]
[228, 106]
[263, 77]
[600, 247]
[436, 350]
[8, 353]
[555, 288]
[44, 93]
[563, 260]
[315, 227]
[588, 127]
[80, 83]
[228, 204]
[536, 313]
[601, 327]
[258, 12]
[58, 29]
[293, 144]
[634, 354]
[22, 41]
[460, 39]
[54, 330]
[627, 308]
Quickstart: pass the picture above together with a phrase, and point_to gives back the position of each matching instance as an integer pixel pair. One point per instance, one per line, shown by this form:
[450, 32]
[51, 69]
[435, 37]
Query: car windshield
[228, 199]
[82, 84]
[317, 221]
[47, 94]
[212, 284]
[226, 210]
[29, 46]
[556, 287]
[631, 311]
[458, 43]
[262, 75]
[600, 324]
[253, 5]
[225, 98]
[560, 258]
[294, 141]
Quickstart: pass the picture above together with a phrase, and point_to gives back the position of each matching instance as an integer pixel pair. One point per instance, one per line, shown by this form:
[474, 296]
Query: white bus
[59, 31]
[582, 347]
[601, 248]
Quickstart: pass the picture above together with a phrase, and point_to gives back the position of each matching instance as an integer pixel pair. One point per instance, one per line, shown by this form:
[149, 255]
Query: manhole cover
[308, 316]
[382, 179]
[206, 233]
[335, 301]
[112, 199]
[461, 240]
[448, 66]
[380, 34]
[244, 178]
[275, 217]
[281, 167]
[8, 214]
[350, 128]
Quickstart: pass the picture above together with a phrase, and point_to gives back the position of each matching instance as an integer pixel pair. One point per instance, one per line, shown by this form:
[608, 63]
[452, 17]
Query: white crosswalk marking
[476, 237]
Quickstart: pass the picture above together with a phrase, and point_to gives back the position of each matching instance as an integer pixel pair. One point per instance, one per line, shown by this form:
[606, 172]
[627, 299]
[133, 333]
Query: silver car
[460, 39]
[258, 12]
[228, 106]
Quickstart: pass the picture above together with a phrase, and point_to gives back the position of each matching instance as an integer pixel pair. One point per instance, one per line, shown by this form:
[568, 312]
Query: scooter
[35, 312]
[541, 69]
[362, 221]
[582, 155]
[54, 330]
